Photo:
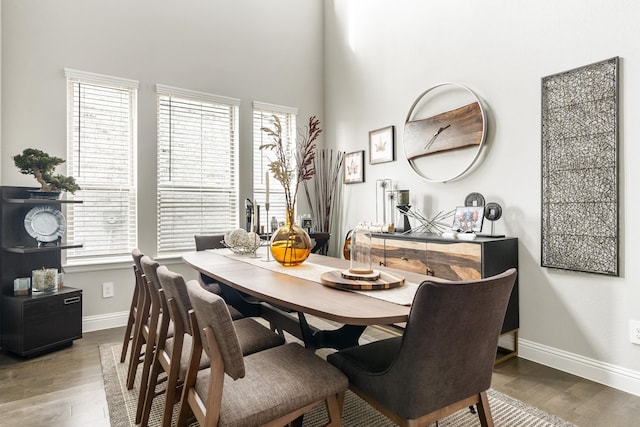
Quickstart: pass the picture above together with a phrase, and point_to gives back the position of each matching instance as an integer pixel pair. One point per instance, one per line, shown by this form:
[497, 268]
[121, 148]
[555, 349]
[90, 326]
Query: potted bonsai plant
[41, 165]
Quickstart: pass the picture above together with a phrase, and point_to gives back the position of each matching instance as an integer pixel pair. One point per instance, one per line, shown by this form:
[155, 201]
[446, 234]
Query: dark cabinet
[35, 323]
[453, 259]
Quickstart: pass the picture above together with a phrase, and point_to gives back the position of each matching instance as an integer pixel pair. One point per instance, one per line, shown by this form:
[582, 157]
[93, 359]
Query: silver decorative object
[436, 224]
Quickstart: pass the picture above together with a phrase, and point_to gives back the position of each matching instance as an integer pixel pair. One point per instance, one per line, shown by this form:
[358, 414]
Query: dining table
[299, 290]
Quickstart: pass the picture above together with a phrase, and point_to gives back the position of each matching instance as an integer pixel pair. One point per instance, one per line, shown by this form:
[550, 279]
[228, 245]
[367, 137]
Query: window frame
[164, 187]
[261, 160]
[75, 257]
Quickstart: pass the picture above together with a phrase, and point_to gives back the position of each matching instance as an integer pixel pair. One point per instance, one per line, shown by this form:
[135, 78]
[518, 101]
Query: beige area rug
[507, 412]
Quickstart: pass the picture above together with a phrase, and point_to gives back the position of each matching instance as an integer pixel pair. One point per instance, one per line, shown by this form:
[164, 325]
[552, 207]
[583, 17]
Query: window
[197, 166]
[101, 144]
[263, 117]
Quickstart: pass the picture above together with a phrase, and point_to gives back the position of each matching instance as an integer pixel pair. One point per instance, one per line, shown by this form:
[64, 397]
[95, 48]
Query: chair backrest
[209, 242]
[449, 346]
[139, 290]
[150, 270]
[175, 287]
[137, 256]
[211, 311]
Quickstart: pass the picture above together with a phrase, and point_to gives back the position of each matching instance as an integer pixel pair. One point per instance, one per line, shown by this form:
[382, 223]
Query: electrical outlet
[107, 290]
[634, 331]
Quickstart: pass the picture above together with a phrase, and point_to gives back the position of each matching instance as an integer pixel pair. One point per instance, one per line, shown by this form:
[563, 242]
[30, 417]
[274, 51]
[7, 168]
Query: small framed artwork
[382, 147]
[468, 219]
[354, 167]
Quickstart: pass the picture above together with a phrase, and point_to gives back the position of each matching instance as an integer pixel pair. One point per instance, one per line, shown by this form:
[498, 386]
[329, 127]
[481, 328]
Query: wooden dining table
[353, 310]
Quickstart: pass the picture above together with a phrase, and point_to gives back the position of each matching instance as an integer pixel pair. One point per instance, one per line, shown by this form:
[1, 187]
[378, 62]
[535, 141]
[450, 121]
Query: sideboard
[454, 259]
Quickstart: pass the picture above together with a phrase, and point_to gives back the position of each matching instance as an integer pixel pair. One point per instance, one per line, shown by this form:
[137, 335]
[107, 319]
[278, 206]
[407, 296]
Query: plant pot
[49, 195]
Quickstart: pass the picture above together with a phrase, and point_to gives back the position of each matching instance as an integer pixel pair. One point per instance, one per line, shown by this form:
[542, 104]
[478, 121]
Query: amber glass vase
[290, 244]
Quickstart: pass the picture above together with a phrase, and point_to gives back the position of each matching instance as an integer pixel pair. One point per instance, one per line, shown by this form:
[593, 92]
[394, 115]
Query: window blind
[263, 117]
[102, 157]
[197, 167]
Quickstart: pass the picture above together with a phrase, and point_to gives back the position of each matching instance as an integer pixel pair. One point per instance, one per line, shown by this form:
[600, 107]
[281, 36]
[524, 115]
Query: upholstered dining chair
[204, 242]
[157, 330]
[239, 304]
[136, 304]
[140, 327]
[172, 353]
[444, 360]
[272, 387]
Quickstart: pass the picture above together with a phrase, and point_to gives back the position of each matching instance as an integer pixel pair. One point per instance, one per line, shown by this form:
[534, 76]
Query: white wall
[381, 54]
[252, 50]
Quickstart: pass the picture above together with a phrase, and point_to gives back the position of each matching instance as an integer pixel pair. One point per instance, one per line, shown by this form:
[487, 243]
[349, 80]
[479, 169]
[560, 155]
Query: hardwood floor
[64, 388]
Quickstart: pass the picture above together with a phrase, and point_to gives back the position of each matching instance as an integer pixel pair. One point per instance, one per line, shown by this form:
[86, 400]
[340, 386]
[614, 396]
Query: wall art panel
[580, 169]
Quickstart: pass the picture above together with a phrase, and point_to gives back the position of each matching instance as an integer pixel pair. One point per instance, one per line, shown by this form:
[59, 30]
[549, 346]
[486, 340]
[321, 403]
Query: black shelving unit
[36, 323]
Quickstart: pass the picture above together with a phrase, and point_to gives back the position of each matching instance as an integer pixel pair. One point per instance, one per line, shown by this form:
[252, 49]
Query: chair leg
[484, 411]
[127, 336]
[150, 392]
[144, 379]
[171, 395]
[184, 412]
[334, 409]
[134, 357]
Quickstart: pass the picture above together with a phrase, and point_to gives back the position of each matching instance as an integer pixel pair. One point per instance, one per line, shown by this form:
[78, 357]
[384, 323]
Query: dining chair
[156, 331]
[444, 360]
[136, 304]
[240, 304]
[141, 321]
[272, 387]
[172, 353]
[204, 242]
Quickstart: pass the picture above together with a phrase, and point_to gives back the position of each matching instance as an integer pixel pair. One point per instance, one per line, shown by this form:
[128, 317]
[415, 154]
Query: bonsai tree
[41, 165]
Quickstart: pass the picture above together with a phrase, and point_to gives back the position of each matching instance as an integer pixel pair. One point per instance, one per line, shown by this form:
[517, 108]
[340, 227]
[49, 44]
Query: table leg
[343, 337]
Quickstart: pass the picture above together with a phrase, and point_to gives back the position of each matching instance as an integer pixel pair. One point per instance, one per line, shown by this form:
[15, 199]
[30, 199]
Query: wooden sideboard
[453, 259]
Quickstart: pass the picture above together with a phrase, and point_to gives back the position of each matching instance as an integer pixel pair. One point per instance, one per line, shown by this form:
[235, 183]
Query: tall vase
[290, 244]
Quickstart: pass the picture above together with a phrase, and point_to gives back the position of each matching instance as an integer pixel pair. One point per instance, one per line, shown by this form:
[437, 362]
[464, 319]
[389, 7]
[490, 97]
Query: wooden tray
[334, 279]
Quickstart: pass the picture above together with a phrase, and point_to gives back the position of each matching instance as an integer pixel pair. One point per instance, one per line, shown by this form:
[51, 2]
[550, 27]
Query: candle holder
[266, 208]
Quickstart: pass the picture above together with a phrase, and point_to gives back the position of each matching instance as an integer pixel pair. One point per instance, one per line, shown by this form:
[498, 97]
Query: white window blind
[197, 166]
[101, 133]
[263, 117]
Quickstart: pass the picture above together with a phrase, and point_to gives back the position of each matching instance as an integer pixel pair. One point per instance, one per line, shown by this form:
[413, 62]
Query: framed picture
[354, 167]
[468, 219]
[382, 147]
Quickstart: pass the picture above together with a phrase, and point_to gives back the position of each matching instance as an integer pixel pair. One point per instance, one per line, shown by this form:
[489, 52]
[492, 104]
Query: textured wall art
[580, 169]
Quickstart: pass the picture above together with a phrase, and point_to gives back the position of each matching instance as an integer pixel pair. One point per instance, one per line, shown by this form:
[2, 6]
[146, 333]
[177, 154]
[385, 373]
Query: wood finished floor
[64, 388]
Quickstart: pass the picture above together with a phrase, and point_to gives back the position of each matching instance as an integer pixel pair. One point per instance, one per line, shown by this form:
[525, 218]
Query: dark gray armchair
[240, 304]
[444, 360]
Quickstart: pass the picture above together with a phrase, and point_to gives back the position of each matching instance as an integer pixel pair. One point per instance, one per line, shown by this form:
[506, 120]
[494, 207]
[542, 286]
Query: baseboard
[604, 373]
[104, 321]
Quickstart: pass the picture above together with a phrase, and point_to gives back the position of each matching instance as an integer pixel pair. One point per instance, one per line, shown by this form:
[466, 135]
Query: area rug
[507, 412]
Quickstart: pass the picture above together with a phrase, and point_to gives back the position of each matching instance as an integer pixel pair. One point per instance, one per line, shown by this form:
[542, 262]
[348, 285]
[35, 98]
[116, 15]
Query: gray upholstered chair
[275, 386]
[137, 301]
[141, 321]
[157, 330]
[172, 353]
[240, 304]
[204, 242]
[444, 360]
